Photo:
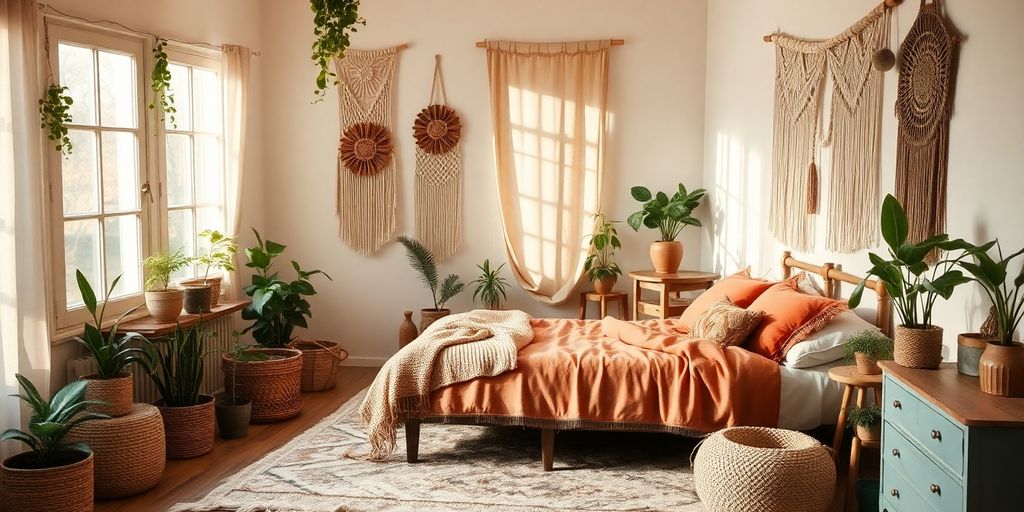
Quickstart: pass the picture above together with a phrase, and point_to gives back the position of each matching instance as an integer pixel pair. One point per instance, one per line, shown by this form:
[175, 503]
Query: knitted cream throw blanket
[454, 349]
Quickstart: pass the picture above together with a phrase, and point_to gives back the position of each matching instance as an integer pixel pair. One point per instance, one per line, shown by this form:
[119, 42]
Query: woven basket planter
[65, 488]
[918, 347]
[429, 316]
[129, 451]
[319, 363]
[763, 469]
[116, 392]
[273, 386]
[188, 431]
[866, 365]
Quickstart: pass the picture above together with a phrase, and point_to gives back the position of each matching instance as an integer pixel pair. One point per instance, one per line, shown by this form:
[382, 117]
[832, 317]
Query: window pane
[117, 90]
[77, 73]
[209, 218]
[120, 172]
[80, 176]
[179, 169]
[123, 251]
[206, 88]
[209, 170]
[81, 252]
[181, 235]
[182, 98]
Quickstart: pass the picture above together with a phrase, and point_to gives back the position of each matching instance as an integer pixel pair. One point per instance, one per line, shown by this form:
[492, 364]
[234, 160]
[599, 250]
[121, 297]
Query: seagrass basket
[188, 430]
[763, 469]
[128, 451]
[918, 347]
[65, 488]
[117, 392]
[273, 386]
[319, 363]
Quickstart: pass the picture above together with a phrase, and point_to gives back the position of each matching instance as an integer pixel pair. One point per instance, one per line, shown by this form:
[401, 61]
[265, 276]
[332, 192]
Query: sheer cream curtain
[235, 69]
[24, 339]
[549, 111]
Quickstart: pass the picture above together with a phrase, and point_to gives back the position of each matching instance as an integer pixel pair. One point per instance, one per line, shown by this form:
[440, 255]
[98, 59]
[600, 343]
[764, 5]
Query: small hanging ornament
[883, 60]
[365, 148]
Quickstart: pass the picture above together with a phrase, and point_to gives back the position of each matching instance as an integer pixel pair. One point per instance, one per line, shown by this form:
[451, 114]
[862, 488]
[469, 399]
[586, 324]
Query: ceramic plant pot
[116, 392]
[918, 347]
[666, 256]
[67, 488]
[165, 306]
[213, 282]
[233, 417]
[870, 434]
[407, 331]
[188, 430]
[429, 316]
[605, 285]
[969, 347]
[866, 365]
[1001, 370]
[198, 299]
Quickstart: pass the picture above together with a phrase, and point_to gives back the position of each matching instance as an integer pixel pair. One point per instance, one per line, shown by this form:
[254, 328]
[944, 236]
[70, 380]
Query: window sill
[148, 327]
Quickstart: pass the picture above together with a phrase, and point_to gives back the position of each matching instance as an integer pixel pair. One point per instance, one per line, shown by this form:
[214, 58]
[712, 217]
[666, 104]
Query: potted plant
[914, 286]
[601, 270]
[424, 264]
[164, 302]
[52, 475]
[669, 216]
[110, 389]
[234, 411]
[490, 286]
[177, 372]
[868, 422]
[220, 254]
[866, 349]
[1001, 367]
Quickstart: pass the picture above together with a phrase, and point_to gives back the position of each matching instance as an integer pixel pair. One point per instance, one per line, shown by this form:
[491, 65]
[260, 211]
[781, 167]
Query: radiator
[145, 390]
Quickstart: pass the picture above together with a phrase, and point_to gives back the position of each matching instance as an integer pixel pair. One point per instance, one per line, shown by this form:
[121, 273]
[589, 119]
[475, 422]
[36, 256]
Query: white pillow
[827, 345]
[807, 284]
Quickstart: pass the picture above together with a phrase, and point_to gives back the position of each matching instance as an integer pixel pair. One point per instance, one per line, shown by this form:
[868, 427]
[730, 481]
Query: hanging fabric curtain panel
[852, 130]
[366, 161]
[549, 111]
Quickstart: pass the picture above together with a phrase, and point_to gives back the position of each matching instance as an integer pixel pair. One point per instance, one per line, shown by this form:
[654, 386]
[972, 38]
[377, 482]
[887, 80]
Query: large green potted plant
[163, 301]
[423, 262]
[219, 254]
[53, 474]
[490, 286]
[602, 271]
[914, 285]
[668, 215]
[233, 410]
[1001, 367]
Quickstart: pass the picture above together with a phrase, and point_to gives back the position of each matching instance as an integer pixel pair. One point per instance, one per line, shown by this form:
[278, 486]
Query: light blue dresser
[946, 446]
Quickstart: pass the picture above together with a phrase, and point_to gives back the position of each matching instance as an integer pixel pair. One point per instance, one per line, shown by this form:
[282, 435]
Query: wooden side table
[853, 380]
[603, 300]
[667, 286]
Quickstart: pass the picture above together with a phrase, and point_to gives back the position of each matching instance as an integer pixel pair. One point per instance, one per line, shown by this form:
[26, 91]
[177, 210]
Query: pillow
[807, 284]
[828, 344]
[740, 288]
[725, 323]
[790, 316]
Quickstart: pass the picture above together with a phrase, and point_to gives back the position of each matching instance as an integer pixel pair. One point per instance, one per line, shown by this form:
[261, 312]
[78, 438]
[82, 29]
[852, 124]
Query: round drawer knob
[935, 489]
[897, 404]
[895, 452]
[894, 493]
[936, 435]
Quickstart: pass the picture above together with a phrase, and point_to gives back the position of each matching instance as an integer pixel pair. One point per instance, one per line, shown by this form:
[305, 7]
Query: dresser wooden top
[959, 396]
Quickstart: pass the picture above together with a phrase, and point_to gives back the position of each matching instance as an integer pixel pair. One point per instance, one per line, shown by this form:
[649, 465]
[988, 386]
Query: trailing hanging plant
[54, 110]
[333, 23]
[161, 82]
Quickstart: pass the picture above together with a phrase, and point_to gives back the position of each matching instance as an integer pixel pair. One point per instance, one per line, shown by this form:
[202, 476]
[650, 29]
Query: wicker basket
[918, 347]
[65, 488]
[273, 385]
[129, 451]
[117, 392]
[319, 363]
[188, 431]
[763, 469]
[866, 365]
[214, 282]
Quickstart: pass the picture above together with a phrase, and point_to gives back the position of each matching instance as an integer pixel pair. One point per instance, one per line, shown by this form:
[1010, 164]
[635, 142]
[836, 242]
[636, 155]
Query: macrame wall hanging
[438, 131]
[366, 160]
[853, 130]
[924, 101]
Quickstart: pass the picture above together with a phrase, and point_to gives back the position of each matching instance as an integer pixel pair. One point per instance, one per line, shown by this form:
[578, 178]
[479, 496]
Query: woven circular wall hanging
[437, 129]
[365, 148]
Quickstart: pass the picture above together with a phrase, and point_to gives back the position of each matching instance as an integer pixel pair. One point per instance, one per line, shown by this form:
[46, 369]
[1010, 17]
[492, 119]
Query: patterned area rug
[463, 468]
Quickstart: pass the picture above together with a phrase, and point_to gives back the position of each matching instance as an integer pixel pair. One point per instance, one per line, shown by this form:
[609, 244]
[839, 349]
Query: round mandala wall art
[365, 148]
[437, 129]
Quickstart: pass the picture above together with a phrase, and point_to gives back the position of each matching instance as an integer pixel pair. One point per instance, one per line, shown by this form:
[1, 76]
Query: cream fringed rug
[463, 468]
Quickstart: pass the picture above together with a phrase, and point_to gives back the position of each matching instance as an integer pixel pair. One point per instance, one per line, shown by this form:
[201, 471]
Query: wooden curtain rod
[615, 42]
[889, 4]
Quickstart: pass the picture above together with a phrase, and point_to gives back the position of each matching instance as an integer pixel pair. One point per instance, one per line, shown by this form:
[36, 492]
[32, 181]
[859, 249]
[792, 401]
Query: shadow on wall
[739, 206]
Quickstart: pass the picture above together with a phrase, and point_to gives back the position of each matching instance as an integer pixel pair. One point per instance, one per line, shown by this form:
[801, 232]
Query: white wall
[986, 131]
[656, 97]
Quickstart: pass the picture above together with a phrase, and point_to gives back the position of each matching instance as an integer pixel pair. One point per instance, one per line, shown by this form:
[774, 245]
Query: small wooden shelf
[148, 327]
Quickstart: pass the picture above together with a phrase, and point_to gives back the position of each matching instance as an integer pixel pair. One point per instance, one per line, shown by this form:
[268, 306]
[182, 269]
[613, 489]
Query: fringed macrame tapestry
[438, 131]
[924, 102]
[853, 130]
[366, 161]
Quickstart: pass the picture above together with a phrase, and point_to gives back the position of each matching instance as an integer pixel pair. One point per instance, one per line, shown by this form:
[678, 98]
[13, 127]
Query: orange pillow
[790, 316]
[740, 288]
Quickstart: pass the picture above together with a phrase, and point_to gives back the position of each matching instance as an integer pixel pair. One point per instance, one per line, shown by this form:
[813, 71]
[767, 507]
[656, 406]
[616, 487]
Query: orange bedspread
[630, 376]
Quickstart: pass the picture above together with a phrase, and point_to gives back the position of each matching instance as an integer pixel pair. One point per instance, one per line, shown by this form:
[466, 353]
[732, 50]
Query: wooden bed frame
[831, 276]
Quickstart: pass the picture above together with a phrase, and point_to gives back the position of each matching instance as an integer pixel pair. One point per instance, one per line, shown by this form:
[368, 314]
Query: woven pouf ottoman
[763, 469]
[129, 451]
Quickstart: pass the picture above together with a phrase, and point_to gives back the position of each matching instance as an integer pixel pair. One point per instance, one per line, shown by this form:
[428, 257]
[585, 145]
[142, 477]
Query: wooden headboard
[832, 277]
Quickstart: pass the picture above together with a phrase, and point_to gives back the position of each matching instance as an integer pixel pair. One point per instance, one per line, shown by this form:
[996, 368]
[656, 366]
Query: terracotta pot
[870, 434]
[969, 347]
[429, 316]
[407, 331]
[233, 418]
[918, 347]
[165, 306]
[188, 430]
[866, 365]
[67, 488]
[605, 285]
[1001, 370]
[215, 286]
[666, 256]
[117, 392]
[273, 385]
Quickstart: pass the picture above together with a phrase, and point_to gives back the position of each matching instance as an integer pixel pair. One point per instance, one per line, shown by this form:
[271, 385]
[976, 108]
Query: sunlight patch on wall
[738, 194]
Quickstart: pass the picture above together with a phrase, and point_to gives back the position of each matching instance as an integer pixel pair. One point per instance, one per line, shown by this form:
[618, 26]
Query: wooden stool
[604, 299]
[852, 379]
[667, 286]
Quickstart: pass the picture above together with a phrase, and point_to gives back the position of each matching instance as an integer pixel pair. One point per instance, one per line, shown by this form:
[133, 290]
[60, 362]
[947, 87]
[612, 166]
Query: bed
[577, 376]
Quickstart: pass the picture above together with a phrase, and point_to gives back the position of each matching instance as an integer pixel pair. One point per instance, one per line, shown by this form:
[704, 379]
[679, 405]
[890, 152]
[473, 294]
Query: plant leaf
[894, 223]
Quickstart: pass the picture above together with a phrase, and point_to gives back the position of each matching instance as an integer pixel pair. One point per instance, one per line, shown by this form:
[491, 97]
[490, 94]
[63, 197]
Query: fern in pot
[163, 301]
[602, 271]
[668, 215]
[866, 349]
[423, 262]
[233, 410]
[867, 421]
[219, 254]
[490, 286]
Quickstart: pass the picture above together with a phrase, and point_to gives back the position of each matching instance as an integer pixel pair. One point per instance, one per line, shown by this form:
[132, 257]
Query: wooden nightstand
[667, 286]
